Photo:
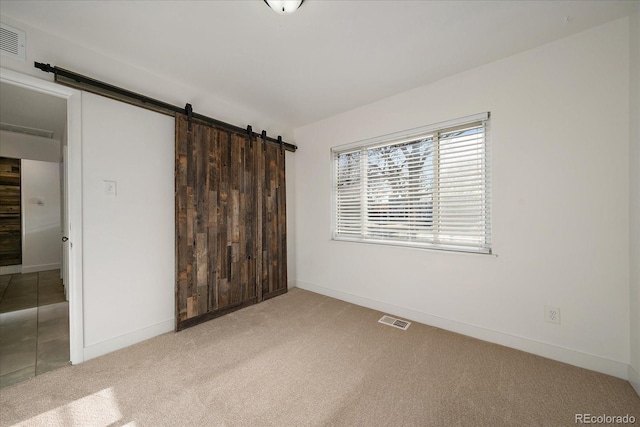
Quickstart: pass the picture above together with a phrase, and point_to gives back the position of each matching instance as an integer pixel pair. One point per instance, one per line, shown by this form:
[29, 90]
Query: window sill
[409, 245]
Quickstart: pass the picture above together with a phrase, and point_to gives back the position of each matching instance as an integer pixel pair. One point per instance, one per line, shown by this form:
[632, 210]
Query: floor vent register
[396, 323]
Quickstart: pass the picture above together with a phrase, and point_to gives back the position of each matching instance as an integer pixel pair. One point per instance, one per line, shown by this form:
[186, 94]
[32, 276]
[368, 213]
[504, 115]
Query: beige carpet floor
[303, 359]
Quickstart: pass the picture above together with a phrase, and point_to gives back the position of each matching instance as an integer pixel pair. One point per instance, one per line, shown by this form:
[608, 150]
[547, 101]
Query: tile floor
[34, 325]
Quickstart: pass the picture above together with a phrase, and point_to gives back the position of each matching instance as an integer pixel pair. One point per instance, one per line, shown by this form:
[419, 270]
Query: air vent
[396, 323]
[26, 130]
[12, 42]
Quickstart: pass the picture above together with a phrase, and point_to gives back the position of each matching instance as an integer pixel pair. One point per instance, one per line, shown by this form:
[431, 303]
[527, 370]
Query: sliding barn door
[230, 209]
[10, 218]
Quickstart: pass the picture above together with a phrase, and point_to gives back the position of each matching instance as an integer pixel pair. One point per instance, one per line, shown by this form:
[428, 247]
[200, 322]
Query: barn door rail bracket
[263, 136]
[188, 110]
[250, 133]
[81, 82]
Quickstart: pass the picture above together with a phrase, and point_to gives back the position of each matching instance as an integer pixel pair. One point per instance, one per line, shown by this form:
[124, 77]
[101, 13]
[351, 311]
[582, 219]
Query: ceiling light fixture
[284, 7]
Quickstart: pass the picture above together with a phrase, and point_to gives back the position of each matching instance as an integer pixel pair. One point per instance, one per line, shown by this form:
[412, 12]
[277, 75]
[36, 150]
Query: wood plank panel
[10, 211]
[258, 179]
[274, 262]
[183, 260]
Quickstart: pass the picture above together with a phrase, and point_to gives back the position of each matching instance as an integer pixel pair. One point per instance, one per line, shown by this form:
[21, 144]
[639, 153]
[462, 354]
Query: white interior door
[64, 270]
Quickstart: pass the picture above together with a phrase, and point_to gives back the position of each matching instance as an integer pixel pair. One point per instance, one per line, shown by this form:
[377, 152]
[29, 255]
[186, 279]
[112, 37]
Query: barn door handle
[65, 238]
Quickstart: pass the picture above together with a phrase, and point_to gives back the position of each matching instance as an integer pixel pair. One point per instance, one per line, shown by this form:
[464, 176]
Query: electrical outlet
[552, 314]
[109, 188]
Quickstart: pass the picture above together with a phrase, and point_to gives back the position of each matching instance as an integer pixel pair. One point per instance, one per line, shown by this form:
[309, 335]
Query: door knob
[65, 238]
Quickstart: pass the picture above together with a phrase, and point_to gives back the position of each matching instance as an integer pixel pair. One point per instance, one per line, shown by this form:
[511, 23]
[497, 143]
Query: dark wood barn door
[230, 222]
[274, 221]
[10, 220]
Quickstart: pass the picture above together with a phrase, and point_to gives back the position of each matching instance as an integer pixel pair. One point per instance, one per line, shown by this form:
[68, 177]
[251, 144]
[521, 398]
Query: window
[427, 187]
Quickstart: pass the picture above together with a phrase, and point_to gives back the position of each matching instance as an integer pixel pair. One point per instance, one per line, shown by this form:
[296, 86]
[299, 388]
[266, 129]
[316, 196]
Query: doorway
[44, 276]
[34, 313]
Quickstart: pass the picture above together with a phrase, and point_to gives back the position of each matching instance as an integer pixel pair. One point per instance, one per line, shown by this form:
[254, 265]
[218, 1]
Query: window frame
[411, 135]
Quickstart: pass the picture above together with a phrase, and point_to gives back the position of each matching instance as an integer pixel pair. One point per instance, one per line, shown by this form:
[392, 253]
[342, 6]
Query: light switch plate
[109, 188]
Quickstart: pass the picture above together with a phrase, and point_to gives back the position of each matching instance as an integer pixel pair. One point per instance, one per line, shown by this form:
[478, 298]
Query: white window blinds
[429, 189]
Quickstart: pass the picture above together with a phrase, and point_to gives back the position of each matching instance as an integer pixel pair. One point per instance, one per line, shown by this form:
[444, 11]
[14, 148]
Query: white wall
[560, 205]
[31, 147]
[22, 146]
[128, 239]
[41, 233]
[290, 170]
[634, 206]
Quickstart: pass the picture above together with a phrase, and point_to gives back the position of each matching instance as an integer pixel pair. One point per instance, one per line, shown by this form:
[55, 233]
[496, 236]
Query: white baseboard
[113, 344]
[550, 351]
[10, 269]
[634, 379]
[41, 267]
[291, 284]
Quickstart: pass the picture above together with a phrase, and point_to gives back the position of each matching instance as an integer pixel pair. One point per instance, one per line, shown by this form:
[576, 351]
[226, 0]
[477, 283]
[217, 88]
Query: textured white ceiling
[328, 57]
